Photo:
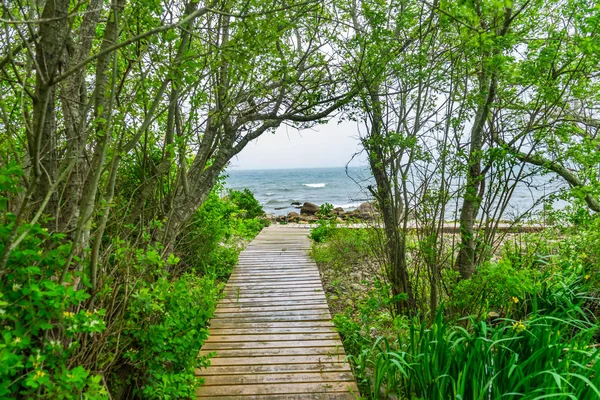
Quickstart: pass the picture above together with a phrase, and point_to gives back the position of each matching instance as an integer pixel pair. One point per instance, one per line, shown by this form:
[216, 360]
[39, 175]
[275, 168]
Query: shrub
[326, 224]
[210, 243]
[42, 322]
[497, 286]
[167, 325]
[246, 203]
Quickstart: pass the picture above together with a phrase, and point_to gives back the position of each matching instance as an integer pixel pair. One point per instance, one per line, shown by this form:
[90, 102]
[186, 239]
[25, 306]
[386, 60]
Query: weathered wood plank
[275, 388]
[272, 335]
[296, 377]
[245, 342]
[281, 332]
[288, 396]
[214, 370]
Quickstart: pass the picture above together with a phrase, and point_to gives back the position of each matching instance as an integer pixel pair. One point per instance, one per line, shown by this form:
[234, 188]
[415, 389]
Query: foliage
[167, 323]
[246, 203]
[540, 357]
[525, 325]
[150, 349]
[216, 229]
[326, 223]
[345, 247]
[42, 322]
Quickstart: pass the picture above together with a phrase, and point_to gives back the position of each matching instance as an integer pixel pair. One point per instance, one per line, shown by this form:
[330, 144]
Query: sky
[329, 145]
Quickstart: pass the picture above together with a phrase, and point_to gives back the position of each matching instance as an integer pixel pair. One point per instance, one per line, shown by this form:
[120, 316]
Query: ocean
[277, 189]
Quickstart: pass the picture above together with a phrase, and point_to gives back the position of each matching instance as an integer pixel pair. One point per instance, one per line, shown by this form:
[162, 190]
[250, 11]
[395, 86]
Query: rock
[280, 208]
[308, 218]
[338, 211]
[367, 211]
[309, 209]
[293, 216]
[349, 215]
[493, 315]
[296, 203]
[281, 218]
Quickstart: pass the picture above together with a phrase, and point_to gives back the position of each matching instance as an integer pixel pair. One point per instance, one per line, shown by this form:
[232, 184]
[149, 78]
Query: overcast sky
[330, 145]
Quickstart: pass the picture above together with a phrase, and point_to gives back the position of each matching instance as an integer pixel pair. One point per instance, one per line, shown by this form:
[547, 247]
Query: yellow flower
[17, 340]
[39, 374]
[586, 277]
[515, 299]
[88, 313]
[68, 314]
[519, 326]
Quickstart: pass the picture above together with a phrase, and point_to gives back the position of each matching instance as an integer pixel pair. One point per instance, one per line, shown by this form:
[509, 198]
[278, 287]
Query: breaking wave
[315, 185]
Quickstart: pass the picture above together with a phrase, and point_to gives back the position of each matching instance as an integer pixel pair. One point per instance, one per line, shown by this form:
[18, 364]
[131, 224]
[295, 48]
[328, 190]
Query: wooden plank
[259, 344]
[270, 337]
[273, 324]
[269, 313]
[312, 296]
[275, 388]
[275, 307]
[279, 303]
[291, 318]
[251, 289]
[250, 354]
[272, 369]
[280, 331]
[272, 295]
[296, 377]
[288, 396]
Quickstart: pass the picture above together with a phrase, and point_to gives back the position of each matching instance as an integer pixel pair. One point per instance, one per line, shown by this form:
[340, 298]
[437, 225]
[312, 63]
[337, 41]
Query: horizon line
[289, 168]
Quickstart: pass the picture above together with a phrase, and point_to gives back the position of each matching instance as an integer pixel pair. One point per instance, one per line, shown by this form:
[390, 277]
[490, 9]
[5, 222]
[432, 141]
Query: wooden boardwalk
[272, 333]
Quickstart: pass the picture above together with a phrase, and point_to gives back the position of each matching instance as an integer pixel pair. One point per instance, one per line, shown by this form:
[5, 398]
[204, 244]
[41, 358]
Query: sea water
[277, 189]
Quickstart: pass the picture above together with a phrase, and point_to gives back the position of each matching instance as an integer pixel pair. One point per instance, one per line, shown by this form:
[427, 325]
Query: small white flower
[16, 287]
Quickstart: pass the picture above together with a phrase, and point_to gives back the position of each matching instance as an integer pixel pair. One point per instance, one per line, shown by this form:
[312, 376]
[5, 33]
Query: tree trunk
[465, 261]
[52, 35]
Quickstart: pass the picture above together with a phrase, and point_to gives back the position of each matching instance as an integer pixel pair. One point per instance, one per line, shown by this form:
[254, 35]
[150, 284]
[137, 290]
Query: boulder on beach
[338, 211]
[292, 216]
[367, 211]
[309, 209]
[307, 218]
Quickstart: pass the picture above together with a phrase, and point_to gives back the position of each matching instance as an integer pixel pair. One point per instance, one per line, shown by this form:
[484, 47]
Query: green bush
[497, 286]
[167, 325]
[246, 203]
[210, 243]
[344, 247]
[326, 225]
[42, 322]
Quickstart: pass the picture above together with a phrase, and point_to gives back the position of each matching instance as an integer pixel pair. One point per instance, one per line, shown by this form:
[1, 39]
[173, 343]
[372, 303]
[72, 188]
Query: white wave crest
[315, 185]
[347, 206]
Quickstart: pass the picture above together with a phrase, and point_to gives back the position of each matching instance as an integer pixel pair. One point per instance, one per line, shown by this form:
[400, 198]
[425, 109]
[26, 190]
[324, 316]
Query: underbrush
[139, 334]
[525, 326]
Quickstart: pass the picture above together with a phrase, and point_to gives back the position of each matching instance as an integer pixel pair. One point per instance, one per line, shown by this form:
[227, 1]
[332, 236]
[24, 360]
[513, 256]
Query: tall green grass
[544, 357]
